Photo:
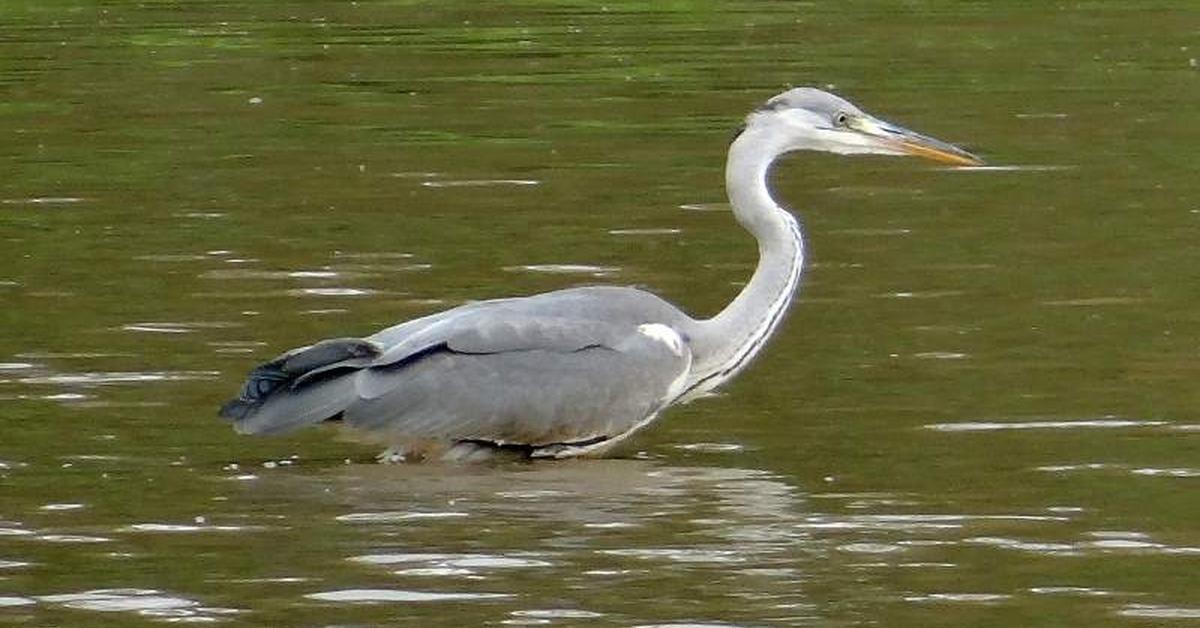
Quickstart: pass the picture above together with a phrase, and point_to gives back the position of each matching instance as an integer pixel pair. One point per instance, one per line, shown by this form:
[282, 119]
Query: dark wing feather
[294, 367]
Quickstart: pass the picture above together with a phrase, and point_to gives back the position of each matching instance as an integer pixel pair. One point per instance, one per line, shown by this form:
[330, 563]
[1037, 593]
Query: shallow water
[981, 412]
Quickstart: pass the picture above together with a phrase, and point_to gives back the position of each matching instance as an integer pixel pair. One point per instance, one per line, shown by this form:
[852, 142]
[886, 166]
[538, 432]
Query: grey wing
[513, 378]
[565, 366]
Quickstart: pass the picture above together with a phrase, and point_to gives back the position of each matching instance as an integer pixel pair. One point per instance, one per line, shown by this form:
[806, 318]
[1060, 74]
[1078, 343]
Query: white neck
[723, 345]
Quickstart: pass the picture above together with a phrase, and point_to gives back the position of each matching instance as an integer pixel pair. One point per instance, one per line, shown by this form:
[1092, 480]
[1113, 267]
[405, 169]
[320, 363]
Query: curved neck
[726, 343]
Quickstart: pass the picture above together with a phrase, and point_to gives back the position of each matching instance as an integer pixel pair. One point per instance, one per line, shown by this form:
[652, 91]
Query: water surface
[981, 411]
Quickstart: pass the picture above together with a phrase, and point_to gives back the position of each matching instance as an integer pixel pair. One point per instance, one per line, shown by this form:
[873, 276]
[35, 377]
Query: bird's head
[806, 118]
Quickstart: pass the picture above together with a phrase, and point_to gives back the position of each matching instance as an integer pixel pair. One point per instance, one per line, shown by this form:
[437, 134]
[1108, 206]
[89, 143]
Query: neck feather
[726, 343]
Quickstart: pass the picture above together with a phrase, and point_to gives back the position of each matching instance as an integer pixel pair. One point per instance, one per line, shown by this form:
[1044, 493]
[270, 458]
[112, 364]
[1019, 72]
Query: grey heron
[572, 372]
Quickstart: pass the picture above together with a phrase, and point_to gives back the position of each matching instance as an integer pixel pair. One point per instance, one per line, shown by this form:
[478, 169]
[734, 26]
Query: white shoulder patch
[663, 334]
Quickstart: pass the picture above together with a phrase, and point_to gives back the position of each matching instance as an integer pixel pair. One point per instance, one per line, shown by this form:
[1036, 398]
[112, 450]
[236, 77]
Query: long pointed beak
[909, 142]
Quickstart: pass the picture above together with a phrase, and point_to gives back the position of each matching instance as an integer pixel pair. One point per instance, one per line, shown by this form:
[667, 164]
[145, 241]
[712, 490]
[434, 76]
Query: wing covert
[529, 381]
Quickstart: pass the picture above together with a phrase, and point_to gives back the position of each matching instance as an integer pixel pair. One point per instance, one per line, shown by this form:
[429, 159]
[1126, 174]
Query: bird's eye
[840, 118]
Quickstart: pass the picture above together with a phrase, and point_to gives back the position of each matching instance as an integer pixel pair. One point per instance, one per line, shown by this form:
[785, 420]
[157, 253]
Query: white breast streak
[663, 334]
[674, 342]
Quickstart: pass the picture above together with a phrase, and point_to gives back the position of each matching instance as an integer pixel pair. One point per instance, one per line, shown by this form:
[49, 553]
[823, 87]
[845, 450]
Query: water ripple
[941, 355]
[976, 598]
[1165, 472]
[72, 538]
[450, 564]
[683, 554]
[871, 232]
[557, 613]
[910, 522]
[1093, 301]
[109, 600]
[237, 346]
[566, 269]
[710, 448]
[120, 377]
[641, 232]
[143, 602]
[705, 207]
[871, 548]
[926, 294]
[396, 516]
[17, 366]
[1075, 591]
[1025, 546]
[172, 257]
[43, 200]
[183, 527]
[399, 595]
[249, 273]
[690, 624]
[59, 507]
[475, 183]
[1086, 466]
[177, 327]
[379, 255]
[991, 426]
[1178, 472]
[1101, 542]
[71, 355]
[331, 292]
[1154, 611]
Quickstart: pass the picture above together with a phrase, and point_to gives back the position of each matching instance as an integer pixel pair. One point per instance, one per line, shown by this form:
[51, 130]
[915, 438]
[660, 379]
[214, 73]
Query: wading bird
[572, 372]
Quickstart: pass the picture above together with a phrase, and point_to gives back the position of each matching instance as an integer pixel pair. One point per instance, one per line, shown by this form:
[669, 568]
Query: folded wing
[495, 371]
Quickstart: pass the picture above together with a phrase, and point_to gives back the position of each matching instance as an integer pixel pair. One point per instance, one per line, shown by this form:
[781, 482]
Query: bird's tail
[300, 387]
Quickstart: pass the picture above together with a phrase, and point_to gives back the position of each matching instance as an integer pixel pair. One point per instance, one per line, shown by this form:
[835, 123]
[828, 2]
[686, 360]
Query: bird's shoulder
[563, 320]
[616, 304]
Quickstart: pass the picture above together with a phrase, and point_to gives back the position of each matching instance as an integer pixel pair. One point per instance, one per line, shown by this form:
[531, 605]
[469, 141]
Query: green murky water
[982, 411]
